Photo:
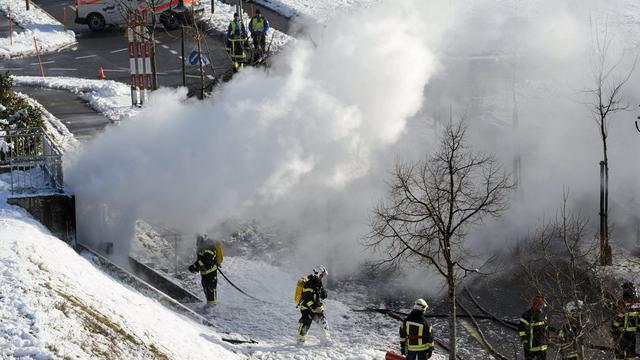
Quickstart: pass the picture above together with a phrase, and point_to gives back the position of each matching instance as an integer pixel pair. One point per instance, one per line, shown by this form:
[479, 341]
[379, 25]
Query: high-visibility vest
[257, 24]
[236, 27]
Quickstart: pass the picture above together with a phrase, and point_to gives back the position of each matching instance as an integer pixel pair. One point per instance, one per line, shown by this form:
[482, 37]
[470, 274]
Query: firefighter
[533, 330]
[236, 38]
[570, 335]
[258, 27]
[625, 323]
[207, 265]
[311, 307]
[416, 337]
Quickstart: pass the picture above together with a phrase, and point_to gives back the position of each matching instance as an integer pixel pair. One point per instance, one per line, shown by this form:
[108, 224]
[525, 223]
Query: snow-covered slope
[111, 98]
[54, 304]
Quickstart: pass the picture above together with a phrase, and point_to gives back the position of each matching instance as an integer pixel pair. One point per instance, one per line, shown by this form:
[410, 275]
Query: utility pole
[184, 76]
[154, 68]
[28, 5]
[197, 38]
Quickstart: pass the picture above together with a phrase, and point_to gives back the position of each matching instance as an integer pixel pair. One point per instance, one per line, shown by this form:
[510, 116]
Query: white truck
[170, 13]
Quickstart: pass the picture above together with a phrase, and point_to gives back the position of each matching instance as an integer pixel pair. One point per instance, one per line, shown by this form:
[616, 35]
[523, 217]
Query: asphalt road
[79, 118]
[109, 50]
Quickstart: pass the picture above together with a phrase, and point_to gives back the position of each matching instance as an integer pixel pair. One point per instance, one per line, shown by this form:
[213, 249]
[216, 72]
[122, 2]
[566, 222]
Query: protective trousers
[209, 284]
[535, 355]
[418, 355]
[305, 323]
[626, 345]
[259, 41]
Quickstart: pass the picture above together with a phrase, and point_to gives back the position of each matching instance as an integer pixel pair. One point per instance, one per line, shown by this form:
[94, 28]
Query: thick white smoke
[282, 142]
[310, 142]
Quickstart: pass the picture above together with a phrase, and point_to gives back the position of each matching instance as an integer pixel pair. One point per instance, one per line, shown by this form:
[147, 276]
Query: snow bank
[224, 14]
[49, 33]
[55, 304]
[54, 127]
[109, 97]
[320, 10]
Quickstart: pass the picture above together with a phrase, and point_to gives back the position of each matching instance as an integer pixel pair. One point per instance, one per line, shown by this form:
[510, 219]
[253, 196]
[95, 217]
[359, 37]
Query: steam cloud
[309, 143]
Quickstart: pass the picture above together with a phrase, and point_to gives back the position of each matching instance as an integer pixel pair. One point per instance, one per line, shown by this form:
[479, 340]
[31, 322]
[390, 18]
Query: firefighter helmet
[320, 271]
[573, 306]
[421, 305]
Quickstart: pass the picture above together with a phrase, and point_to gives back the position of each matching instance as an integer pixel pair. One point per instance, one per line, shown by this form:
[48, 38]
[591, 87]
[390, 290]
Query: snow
[320, 10]
[109, 97]
[54, 127]
[48, 32]
[272, 321]
[224, 14]
[55, 304]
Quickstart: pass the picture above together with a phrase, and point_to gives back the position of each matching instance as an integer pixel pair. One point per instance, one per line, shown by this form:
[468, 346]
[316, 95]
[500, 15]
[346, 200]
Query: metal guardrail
[32, 158]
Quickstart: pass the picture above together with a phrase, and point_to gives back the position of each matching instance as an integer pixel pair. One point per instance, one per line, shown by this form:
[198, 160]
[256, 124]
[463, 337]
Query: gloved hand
[403, 351]
[193, 269]
[319, 310]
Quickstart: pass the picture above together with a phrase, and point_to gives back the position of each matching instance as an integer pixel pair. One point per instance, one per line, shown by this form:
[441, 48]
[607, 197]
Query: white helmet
[421, 305]
[573, 306]
[320, 271]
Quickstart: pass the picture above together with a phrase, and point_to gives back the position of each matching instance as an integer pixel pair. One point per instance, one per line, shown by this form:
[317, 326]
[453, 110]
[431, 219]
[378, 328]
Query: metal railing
[32, 158]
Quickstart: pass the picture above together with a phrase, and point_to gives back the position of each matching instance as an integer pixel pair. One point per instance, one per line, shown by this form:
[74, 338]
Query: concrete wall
[55, 211]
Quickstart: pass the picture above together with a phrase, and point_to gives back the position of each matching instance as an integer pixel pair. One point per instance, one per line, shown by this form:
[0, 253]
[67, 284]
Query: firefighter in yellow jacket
[416, 336]
[207, 264]
[533, 330]
[624, 325]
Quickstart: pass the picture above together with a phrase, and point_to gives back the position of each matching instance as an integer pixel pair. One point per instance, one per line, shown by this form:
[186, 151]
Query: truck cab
[98, 14]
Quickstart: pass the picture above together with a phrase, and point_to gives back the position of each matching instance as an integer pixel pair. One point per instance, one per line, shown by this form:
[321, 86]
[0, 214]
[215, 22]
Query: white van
[100, 13]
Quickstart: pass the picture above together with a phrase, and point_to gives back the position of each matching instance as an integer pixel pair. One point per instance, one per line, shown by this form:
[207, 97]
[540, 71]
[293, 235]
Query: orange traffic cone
[101, 75]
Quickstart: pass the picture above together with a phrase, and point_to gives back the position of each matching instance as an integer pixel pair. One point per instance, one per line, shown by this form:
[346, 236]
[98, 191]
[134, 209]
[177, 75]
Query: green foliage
[13, 103]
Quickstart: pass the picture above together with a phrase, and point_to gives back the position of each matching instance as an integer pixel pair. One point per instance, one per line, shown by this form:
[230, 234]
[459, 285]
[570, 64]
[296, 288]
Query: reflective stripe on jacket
[627, 317]
[568, 341]
[533, 330]
[206, 262]
[312, 294]
[416, 334]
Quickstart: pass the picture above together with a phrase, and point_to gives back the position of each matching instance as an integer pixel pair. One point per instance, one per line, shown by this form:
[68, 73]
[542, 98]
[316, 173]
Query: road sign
[194, 58]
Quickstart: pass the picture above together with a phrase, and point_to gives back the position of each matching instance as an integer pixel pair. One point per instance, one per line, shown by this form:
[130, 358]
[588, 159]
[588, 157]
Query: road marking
[164, 46]
[115, 70]
[62, 69]
[193, 76]
[11, 69]
[119, 50]
[173, 52]
[44, 62]
[86, 57]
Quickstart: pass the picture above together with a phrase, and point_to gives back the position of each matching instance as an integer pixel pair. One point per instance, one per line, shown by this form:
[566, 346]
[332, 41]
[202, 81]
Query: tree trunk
[452, 309]
[603, 251]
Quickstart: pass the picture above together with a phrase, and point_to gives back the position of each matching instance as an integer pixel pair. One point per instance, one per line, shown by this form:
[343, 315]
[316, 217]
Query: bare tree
[606, 100]
[431, 206]
[559, 262]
